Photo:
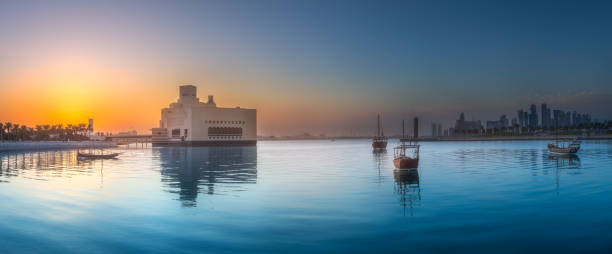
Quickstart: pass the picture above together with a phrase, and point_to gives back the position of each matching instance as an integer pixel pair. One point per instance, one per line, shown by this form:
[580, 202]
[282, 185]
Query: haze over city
[323, 67]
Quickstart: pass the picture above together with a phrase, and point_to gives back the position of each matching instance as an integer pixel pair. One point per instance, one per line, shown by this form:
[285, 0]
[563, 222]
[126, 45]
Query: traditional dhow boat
[380, 141]
[561, 147]
[406, 156]
[564, 146]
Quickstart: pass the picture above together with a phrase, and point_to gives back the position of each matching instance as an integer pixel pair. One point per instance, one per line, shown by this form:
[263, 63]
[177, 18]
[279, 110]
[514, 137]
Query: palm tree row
[16, 132]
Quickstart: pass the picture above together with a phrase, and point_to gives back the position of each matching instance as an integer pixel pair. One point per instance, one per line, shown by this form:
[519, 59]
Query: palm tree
[23, 132]
[8, 127]
[15, 131]
[53, 130]
[69, 130]
[60, 129]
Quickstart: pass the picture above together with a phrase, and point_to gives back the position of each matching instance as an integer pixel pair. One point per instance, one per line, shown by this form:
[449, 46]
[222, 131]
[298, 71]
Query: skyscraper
[434, 129]
[545, 111]
[533, 116]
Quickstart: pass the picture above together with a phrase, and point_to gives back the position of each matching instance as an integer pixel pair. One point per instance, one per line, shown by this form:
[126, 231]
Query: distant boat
[403, 159]
[380, 141]
[564, 146]
[92, 156]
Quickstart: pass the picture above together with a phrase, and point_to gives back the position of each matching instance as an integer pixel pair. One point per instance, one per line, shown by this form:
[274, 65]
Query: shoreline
[464, 138]
[523, 138]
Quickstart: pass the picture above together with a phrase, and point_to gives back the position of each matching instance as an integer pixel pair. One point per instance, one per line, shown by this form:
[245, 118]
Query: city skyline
[317, 67]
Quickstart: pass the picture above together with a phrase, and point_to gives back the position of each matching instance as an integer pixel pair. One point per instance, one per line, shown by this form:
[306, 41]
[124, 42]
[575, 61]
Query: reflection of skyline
[188, 169]
[408, 187]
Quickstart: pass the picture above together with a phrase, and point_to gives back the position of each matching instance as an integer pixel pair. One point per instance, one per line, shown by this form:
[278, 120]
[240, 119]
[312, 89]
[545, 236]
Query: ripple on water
[319, 195]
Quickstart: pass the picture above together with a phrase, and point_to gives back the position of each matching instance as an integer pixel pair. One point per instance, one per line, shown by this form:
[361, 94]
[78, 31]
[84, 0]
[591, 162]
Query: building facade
[193, 123]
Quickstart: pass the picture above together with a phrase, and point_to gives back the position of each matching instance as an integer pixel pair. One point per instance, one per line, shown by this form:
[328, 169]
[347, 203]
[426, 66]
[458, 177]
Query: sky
[306, 66]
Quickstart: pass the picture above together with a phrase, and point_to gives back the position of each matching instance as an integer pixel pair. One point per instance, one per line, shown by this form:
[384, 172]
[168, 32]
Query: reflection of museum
[189, 171]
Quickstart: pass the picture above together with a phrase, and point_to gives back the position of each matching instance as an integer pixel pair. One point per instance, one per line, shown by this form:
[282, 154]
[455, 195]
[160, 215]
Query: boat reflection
[568, 161]
[408, 187]
[189, 171]
[380, 160]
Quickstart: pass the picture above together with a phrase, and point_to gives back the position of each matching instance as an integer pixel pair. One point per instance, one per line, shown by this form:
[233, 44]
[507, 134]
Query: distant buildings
[558, 118]
[526, 122]
[546, 120]
[436, 130]
[533, 116]
[463, 127]
[498, 125]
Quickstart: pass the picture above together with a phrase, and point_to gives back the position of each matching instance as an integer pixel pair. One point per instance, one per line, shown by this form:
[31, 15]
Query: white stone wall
[226, 117]
[195, 116]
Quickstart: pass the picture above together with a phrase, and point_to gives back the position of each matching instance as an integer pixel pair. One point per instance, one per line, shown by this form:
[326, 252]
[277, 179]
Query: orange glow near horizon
[71, 90]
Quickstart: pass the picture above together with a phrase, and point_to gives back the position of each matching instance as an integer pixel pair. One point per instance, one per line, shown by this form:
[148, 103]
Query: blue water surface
[309, 197]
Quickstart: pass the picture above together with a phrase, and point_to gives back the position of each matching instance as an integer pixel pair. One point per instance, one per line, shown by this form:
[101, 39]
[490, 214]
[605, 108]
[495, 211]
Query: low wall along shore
[46, 145]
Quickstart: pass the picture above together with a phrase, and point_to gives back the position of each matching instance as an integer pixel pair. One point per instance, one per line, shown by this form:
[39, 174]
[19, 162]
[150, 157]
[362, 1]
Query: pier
[137, 140]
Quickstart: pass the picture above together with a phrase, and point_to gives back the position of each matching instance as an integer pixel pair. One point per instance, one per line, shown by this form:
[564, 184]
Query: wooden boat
[379, 141]
[560, 147]
[566, 146]
[403, 159]
[91, 156]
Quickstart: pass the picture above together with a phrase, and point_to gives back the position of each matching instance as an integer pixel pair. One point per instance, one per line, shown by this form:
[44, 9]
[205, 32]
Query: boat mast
[378, 126]
[556, 131]
[403, 132]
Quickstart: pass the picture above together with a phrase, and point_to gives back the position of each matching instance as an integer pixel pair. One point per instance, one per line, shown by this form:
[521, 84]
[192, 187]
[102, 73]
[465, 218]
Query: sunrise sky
[307, 66]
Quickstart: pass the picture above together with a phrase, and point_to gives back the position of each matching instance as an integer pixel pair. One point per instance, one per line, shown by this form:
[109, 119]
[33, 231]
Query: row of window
[224, 131]
[226, 137]
[223, 122]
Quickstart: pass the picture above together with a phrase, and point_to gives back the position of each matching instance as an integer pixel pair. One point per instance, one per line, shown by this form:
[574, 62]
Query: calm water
[309, 197]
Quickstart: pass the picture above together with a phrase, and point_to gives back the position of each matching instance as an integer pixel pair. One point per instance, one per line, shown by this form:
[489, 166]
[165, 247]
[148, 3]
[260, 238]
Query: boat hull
[562, 150]
[379, 144]
[405, 163]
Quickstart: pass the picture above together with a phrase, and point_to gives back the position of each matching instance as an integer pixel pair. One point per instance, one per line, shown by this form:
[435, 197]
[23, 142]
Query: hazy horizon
[307, 66]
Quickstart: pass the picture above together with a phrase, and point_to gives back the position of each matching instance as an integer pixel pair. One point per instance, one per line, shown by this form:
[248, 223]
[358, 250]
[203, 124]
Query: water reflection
[570, 163]
[380, 161]
[42, 165]
[408, 187]
[189, 171]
